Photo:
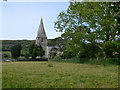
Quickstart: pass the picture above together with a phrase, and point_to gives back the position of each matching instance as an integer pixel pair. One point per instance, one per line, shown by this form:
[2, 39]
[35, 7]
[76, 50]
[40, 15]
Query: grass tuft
[50, 65]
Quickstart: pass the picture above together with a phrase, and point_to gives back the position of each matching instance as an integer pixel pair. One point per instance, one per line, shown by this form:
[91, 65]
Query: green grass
[58, 75]
[0, 75]
[93, 61]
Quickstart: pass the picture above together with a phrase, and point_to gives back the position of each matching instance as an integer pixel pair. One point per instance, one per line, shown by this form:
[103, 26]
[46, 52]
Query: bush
[114, 61]
[112, 49]
[26, 55]
[35, 50]
[100, 61]
[90, 51]
[16, 51]
[67, 55]
[53, 54]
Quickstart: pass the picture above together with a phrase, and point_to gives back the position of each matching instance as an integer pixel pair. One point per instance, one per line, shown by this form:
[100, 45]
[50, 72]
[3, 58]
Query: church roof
[41, 31]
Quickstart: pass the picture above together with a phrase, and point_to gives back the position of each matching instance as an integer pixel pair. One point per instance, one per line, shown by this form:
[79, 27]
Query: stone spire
[41, 38]
[41, 30]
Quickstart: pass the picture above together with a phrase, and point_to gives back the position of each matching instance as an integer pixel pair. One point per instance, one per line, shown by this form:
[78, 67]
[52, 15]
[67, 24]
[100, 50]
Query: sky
[0, 20]
[20, 20]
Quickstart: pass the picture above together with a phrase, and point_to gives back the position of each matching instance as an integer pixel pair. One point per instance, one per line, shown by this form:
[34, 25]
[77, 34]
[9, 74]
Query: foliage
[16, 51]
[94, 23]
[90, 51]
[25, 51]
[93, 61]
[39, 50]
[5, 55]
[7, 44]
[53, 52]
[26, 55]
[58, 55]
[70, 60]
[59, 41]
[35, 50]
[31, 47]
[67, 55]
[112, 49]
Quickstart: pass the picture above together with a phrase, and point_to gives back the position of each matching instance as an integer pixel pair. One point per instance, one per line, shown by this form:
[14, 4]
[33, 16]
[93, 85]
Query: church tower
[41, 38]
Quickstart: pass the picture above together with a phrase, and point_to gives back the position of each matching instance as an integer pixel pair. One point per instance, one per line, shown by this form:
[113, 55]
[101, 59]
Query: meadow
[58, 75]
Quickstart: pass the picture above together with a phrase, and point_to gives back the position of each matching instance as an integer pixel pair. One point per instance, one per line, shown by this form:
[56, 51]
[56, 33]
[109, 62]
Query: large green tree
[16, 51]
[89, 22]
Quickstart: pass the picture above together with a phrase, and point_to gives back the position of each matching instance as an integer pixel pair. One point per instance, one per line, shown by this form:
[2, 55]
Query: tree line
[25, 48]
[33, 51]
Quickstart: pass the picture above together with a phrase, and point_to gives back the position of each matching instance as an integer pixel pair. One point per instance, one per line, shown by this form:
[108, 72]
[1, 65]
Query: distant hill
[6, 44]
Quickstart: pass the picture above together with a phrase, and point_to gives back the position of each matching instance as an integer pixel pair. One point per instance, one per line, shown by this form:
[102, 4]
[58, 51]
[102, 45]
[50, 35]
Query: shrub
[53, 54]
[67, 55]
[35, 50]
[112, 49]
[50, 65]
[26, 55]
[90, 51]
[100, 61]
[16, 50]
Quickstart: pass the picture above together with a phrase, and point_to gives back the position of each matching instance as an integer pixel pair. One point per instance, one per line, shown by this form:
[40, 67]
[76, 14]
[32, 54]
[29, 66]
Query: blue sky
[0, 20]
[21, 19]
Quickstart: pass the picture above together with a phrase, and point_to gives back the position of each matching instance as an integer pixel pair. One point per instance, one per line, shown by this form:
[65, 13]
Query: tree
[35, 50]
[16, 51]
[39, 50]
[60, 42]
[94, 23]
[31, 47]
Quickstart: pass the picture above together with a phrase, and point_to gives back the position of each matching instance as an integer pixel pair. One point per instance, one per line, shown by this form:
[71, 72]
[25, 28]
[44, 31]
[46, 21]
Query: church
[41, 39]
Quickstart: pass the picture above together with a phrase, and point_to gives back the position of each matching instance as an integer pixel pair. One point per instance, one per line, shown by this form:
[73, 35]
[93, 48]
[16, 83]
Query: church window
[41, 39]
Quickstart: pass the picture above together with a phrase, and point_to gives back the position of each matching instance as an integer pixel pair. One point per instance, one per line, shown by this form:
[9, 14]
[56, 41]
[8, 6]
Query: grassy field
[58, 75]
[0, 75]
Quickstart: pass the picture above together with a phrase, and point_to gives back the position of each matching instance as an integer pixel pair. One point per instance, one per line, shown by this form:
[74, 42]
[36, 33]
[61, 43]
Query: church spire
[41, 31]
[41, 39]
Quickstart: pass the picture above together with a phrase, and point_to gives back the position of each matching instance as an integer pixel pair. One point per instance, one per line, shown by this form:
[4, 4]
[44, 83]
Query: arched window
[41, 39]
